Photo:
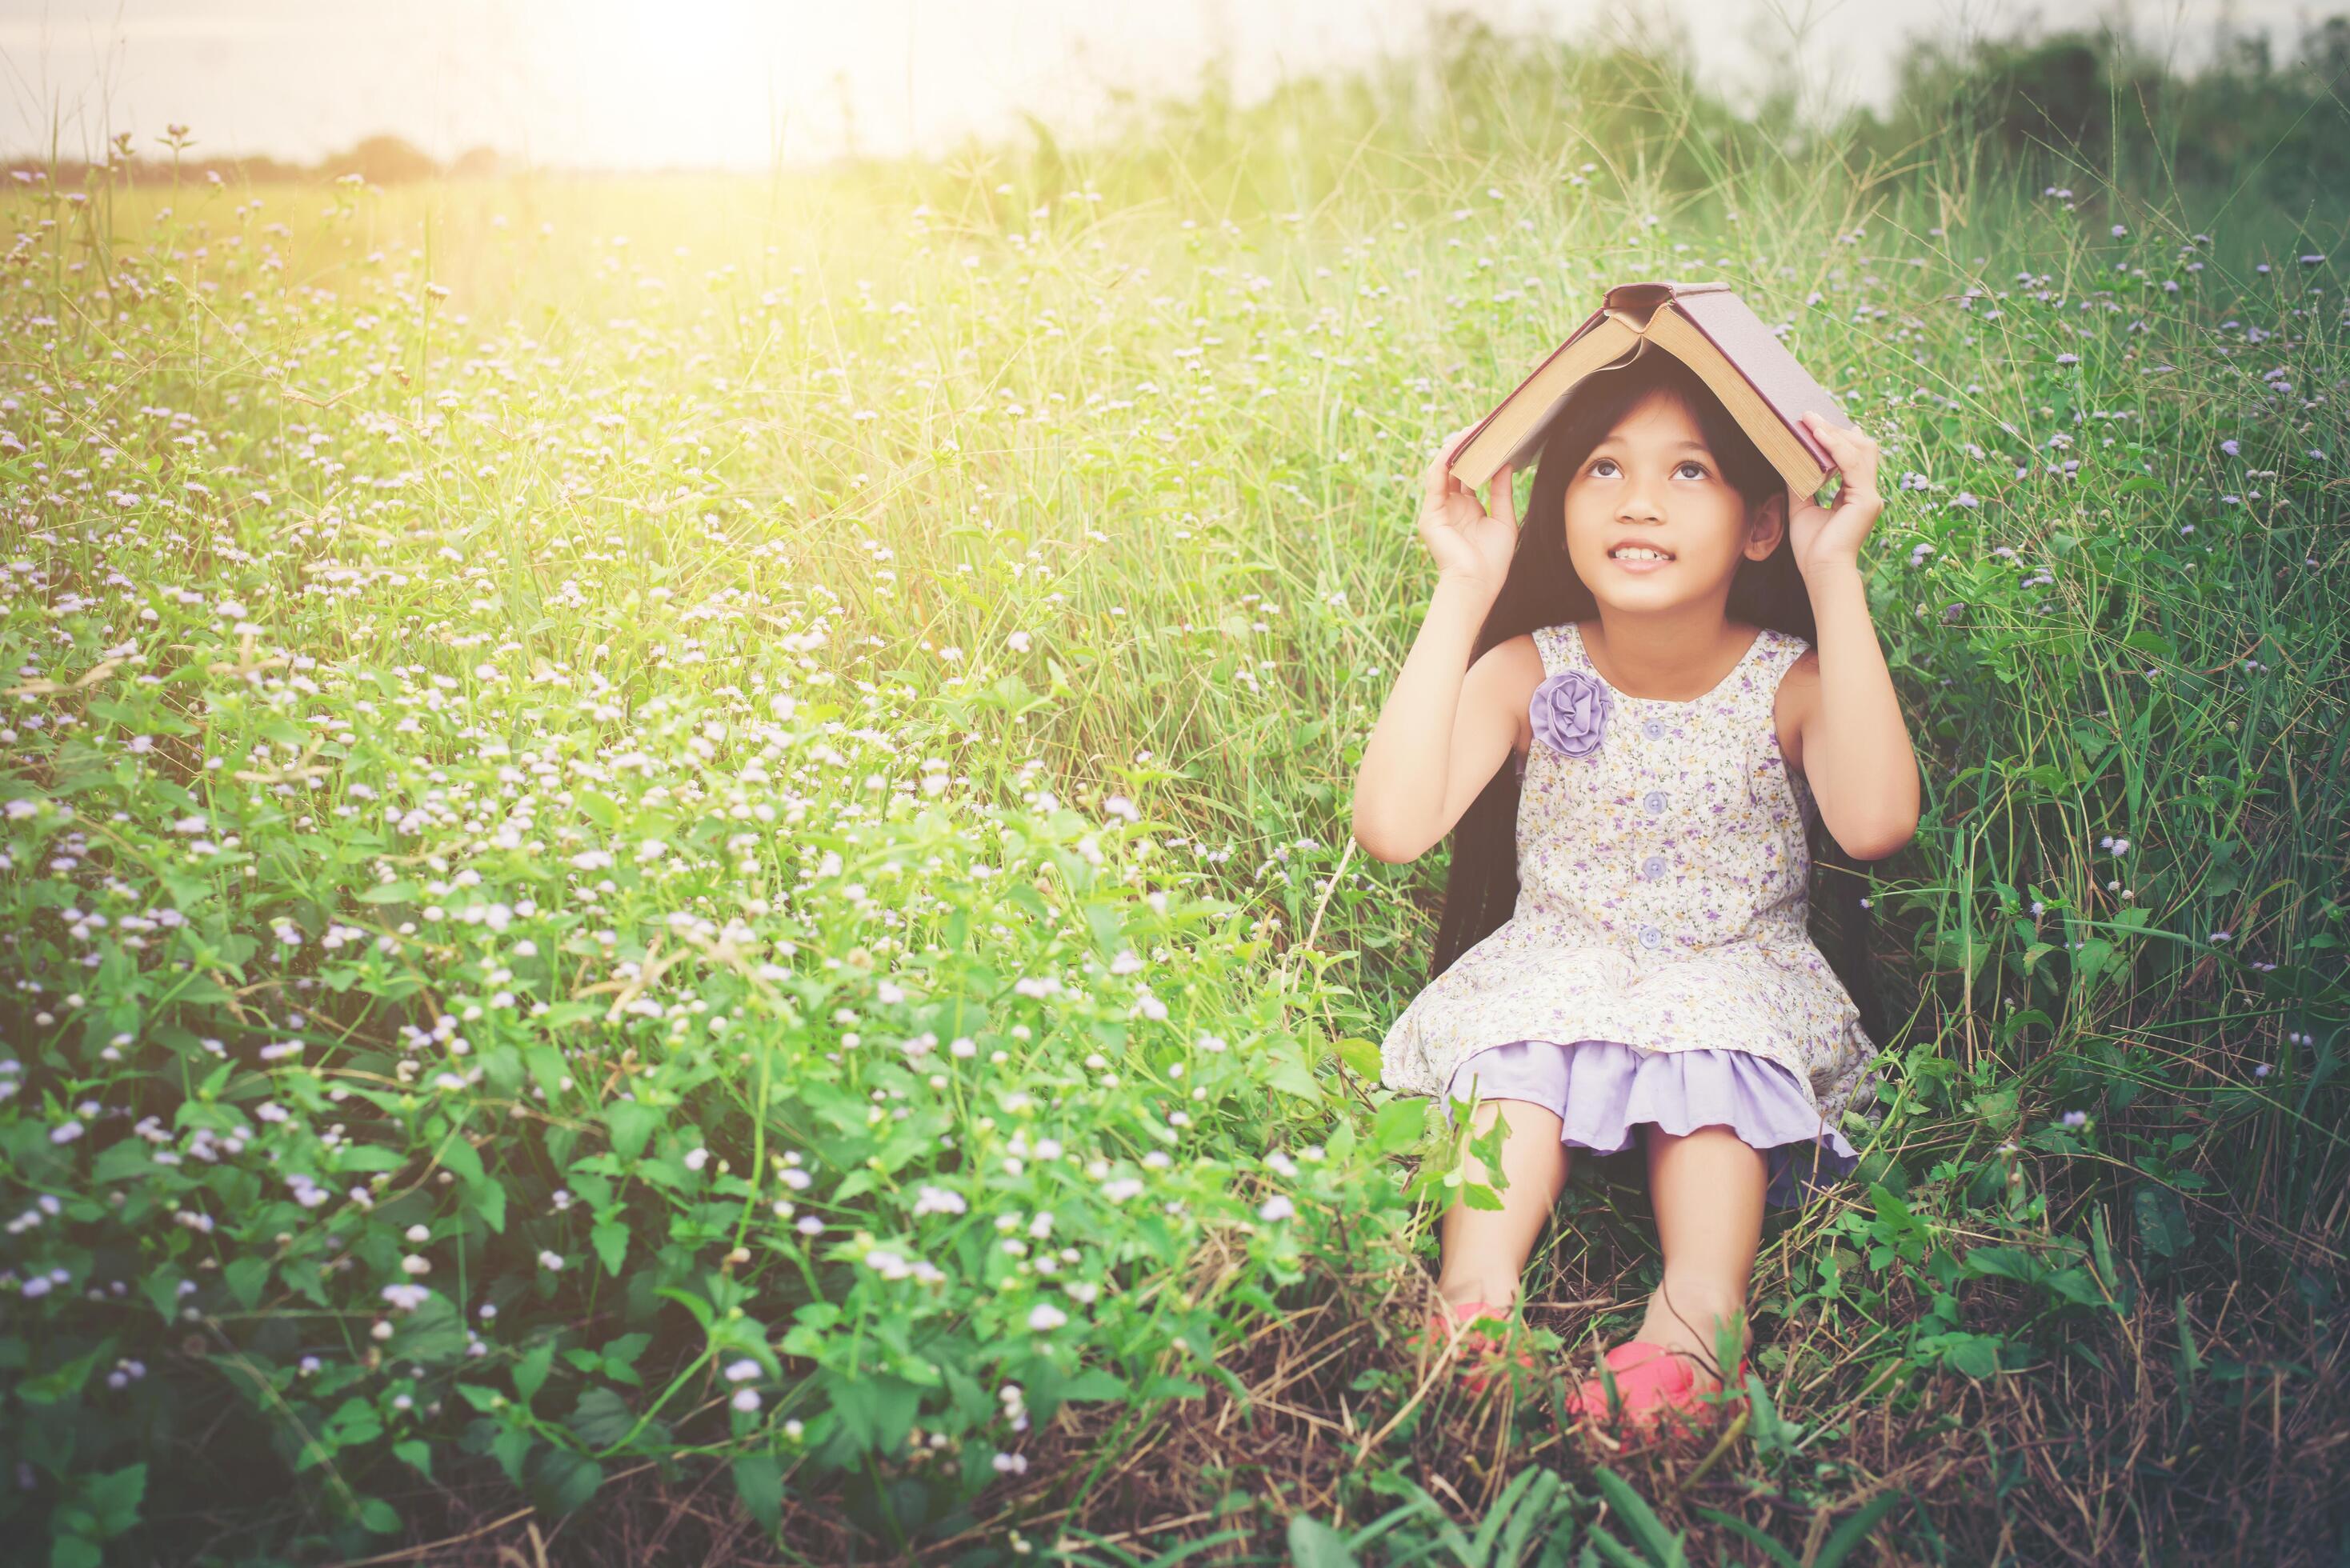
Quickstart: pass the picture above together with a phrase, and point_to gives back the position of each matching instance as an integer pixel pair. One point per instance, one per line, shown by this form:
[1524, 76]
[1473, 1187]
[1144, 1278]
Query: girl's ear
[1770, 526]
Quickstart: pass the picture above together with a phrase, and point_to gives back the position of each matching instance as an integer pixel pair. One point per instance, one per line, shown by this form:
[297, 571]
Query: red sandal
[1654, 1387]
[1481, 1351]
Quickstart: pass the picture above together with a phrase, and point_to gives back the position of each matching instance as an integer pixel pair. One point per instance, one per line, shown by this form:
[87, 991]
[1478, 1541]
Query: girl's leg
[1484, 1249]
[1707, 1188]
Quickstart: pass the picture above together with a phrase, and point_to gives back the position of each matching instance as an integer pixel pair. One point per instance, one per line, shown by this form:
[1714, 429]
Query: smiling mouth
[1637, 558]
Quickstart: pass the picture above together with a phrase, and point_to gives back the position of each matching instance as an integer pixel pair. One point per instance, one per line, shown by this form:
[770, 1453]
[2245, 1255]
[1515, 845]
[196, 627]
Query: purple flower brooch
[1569, 710]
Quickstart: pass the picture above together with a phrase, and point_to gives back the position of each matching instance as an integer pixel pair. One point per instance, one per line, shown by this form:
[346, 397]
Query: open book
[1707, 326]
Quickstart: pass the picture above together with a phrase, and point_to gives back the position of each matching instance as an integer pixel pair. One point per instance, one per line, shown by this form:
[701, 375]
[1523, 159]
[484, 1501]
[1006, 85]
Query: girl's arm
[1441, 738]
[1856, 753]
[1856, 748]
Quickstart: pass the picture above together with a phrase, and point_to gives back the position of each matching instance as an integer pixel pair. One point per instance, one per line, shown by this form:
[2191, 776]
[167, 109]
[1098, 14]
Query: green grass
[800, 728]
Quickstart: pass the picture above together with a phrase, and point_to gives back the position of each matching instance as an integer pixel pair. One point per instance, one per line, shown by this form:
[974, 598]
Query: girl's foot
[1481, 1351]
[1658, 1385]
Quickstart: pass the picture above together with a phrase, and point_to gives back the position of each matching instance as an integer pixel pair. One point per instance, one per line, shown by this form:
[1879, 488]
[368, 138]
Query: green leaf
[611, 1240]
[2006, 1262]
[61, 1383]
[759, 1482]
[247, 1278]
[510, 1448]
[530, 1372]
[602, 1418]
[546, 1068]
[1286, 1070]
[565, 1481]
[1108, 933]
[620, 1356]
[1399, 1124]
[378, 1517]
[1854, 1530]
[599, 808]
[878, 1410]
[1998, 1107]
[1752, 1536]
[462, 1158]
[433, 1333]
[629, 1123]
[2074, 1284]
[129, 1160]
[390, 893]
[1970, 1354]
[1314, 1544]
[418, 1455]
[855, 1184]
[490, 1198]
[1664, 1548]
[1095, 1383]
[1487, 1147]
[2161, 1221]
[1615, 1550]
[115, 1496]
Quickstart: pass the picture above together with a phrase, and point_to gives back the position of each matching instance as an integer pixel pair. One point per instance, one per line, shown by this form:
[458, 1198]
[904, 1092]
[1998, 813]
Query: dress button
[1654, 801]
[1653, 867]
[1653, 729]
[1650, 936]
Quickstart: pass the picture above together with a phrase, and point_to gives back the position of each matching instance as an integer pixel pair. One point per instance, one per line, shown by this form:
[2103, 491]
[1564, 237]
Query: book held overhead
[1704, 325]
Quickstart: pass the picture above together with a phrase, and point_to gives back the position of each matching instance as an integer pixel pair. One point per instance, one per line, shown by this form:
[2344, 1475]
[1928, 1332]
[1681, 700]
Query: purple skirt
[1616, 1088]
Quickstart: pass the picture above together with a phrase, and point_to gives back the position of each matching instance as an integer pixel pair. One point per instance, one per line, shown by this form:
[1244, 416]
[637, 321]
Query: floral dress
[1657, 968]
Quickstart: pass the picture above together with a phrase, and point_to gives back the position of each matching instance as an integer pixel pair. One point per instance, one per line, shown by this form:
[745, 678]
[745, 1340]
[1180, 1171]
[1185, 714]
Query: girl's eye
[1685, 463]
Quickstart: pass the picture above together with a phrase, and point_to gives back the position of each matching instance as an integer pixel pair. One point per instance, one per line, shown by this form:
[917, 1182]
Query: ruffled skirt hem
[1603, 1090]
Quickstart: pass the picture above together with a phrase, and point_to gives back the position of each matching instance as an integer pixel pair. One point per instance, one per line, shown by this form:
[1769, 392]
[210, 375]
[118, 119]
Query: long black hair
[1542, 589]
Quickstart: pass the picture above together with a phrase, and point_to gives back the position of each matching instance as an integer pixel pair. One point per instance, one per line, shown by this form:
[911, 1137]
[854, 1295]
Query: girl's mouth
[1641, 563]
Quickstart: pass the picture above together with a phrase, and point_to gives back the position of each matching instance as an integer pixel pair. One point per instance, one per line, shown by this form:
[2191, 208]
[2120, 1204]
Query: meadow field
[675, 884]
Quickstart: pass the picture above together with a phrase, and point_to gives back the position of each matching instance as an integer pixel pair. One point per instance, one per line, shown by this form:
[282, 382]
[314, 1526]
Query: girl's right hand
[1471, 542]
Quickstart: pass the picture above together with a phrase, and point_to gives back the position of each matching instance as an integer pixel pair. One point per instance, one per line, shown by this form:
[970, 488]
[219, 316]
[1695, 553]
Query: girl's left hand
[1819, 537]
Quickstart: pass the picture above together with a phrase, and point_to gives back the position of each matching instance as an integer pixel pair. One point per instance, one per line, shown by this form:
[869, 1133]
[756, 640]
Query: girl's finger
[1440, 480]
[1435, 481]
[1501, 499]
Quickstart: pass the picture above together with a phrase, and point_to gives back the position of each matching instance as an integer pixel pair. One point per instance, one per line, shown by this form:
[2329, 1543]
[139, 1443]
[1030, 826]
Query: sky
[744, 84]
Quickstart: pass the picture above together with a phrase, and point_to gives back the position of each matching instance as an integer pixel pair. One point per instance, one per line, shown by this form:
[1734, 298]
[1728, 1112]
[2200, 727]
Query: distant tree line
[377, 160]
[2105, 100]
[2089, 105]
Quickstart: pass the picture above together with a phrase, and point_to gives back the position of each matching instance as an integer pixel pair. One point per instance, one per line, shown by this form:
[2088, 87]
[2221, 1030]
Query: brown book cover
[1705, 325]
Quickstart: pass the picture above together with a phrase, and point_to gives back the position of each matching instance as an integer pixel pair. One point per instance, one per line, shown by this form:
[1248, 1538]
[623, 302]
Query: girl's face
[1652, 483]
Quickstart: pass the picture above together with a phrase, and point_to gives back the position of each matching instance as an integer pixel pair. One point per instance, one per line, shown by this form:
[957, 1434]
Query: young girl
[1642, 655]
